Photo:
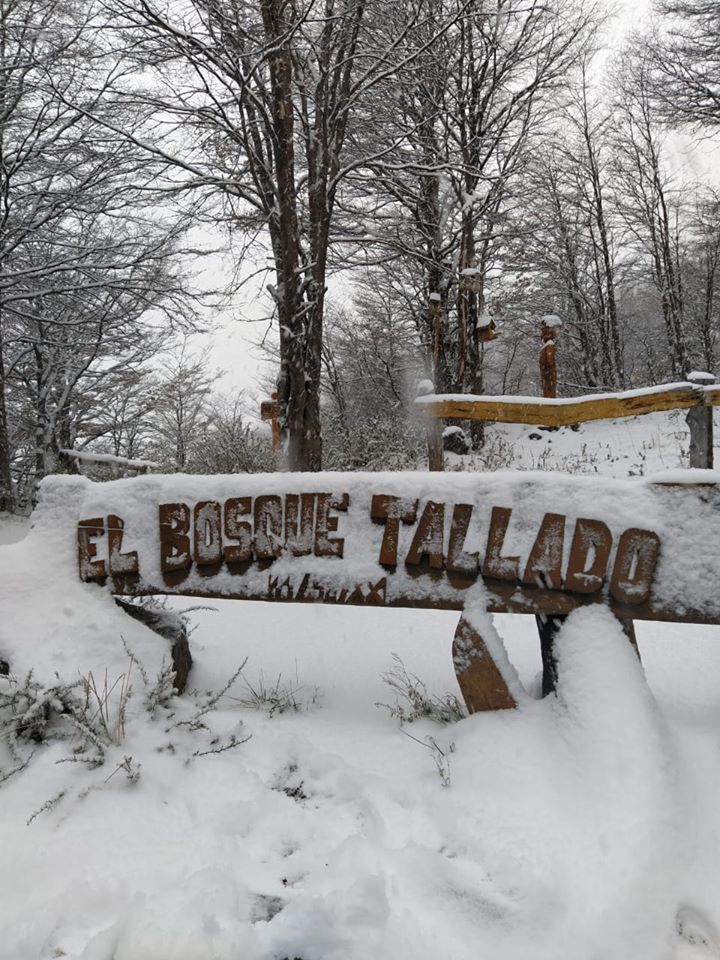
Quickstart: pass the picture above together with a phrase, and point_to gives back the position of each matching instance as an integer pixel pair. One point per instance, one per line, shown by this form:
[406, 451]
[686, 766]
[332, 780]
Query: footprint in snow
[698, 937]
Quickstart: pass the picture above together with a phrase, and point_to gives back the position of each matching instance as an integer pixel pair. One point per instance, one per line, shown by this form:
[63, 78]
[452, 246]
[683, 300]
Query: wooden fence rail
[539, 411]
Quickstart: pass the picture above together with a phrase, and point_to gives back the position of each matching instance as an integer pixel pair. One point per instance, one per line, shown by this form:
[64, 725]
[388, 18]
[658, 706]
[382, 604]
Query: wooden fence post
[550, 326]
[436, 457]
[433, 429]
[700, 421]
[269, 411]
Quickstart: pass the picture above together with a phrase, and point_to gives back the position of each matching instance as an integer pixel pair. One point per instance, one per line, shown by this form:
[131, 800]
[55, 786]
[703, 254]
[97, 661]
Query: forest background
[381, 191]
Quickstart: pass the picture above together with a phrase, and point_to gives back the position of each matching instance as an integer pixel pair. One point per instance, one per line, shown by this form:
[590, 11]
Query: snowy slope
[584, 825]
[633, 446]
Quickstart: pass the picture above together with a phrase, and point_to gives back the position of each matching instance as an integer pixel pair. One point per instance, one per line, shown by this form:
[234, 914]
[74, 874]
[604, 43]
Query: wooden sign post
[548, 355]
[434, 431]
[700, 422]
[269, 411]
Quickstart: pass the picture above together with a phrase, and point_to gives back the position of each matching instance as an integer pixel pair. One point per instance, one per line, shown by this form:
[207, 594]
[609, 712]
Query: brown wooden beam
[712, 396]
[564, 412]
[502, 598]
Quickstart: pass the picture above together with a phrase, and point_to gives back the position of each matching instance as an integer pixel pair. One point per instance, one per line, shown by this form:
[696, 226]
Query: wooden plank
[564, 412]
[481, 683]
[502, 598]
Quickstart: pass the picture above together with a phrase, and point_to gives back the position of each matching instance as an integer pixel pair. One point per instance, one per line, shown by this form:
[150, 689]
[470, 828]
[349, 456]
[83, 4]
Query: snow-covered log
[564, 411]
[109, 460]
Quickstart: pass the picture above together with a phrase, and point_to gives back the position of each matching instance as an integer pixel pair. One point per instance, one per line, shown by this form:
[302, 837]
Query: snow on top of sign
[552, 320]
[686, 476]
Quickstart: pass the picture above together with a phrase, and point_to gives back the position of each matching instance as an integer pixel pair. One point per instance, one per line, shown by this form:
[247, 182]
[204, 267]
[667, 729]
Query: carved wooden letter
[390, 511]
[635, 563]
[120, 563]
[585, 573]
[544, 566]
[175, 558]
[237, 529]
[458, 560]
[326, 546]
[88, 531]
[496, 566]
[207, 533]
[428, 539]
[268, 527]
[299, 516]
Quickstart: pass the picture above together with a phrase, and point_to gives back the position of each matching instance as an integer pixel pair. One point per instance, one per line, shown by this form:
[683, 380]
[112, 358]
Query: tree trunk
[7, 498]
[292, 390]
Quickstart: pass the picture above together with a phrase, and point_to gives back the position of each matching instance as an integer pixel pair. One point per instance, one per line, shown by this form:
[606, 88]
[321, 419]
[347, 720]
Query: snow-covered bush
[91, 718]
[86, 718]
[278, 697]
[414, 702]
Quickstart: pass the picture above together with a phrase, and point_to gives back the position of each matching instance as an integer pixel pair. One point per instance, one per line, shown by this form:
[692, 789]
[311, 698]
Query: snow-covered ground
[584, 825]
[635, 446]
[12, 528]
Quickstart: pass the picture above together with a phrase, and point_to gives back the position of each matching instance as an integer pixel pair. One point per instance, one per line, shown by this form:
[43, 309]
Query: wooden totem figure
[548, 359]
[269, 411]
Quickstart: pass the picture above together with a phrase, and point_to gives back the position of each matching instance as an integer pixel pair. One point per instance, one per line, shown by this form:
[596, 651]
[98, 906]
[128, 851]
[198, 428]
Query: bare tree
[231, 443]
[456, 133]
[181, 416]
[266, 94]
[702, 283]
[652, 203]
[683, 57]
[569, 241]
[372, 360]
[89, 260]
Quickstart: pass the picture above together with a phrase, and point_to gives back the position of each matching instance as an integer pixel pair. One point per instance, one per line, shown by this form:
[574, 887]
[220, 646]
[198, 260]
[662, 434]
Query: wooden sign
[532, 543]
[538, 543]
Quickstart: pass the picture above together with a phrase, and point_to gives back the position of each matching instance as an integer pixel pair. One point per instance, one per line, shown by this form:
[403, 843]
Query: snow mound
[50, 622]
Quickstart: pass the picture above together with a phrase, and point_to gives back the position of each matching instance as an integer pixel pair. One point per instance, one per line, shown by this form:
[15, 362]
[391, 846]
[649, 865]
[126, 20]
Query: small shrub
[412, 700]
[103, 712]
[206, 703]
[90, 717]
[277, 698]
[129, 767]
[441, 757]
[77, 713]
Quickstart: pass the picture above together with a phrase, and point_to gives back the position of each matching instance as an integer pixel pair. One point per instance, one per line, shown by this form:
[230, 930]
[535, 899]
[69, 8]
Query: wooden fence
[699, 394]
